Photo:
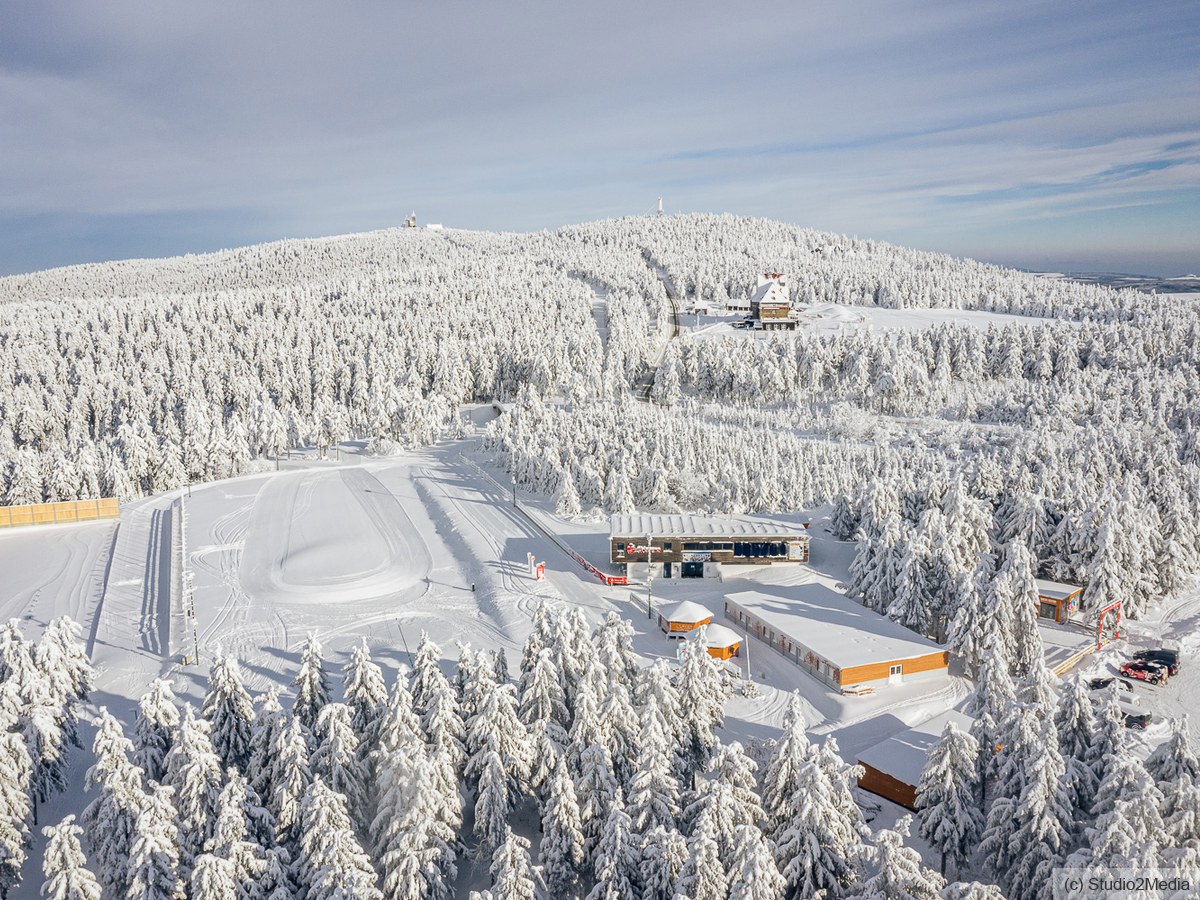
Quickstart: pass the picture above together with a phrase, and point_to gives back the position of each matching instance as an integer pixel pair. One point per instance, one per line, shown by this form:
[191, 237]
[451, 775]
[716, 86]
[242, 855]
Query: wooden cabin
[770, 305]
[678, 619]
[892, 768]
[1057, 601]
[721, 642]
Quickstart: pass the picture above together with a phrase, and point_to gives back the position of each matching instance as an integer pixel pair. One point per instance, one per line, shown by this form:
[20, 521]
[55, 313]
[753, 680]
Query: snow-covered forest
[963, 461]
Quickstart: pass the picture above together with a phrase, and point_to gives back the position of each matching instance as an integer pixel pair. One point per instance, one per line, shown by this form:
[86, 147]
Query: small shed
[893, 768]
[1057, 601]
[722, 642]
[679, 618]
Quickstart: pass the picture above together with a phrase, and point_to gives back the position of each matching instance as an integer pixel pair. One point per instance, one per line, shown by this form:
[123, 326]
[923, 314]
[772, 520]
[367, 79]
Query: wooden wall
[59, 513]
[879, 671]
[886, 786]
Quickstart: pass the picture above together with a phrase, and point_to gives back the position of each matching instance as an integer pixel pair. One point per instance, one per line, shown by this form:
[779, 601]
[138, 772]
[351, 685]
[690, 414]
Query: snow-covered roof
[685, 611]
[642, 524]
[771, 292]
[903, 755]
[1056, 590]
[720, 636]
[834, 627]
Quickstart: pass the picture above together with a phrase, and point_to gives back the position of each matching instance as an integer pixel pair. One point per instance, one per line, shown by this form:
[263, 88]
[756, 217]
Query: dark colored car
[1168, 659]
[1144, 670]
[1137, 720]
[1096, 684]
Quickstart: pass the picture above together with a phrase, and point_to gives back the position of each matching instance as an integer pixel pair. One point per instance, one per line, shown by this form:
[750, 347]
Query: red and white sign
[631, 549]
[541, 571]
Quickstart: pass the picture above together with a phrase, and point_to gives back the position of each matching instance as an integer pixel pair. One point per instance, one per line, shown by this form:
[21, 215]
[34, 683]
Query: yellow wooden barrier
[60, 513]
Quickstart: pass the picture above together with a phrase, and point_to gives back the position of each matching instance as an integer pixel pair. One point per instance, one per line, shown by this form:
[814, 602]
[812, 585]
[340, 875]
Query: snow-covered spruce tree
[193, 772]
[335, 759]
[277, 881]
[614, 644]
[1015, 585]
[1108, 739]
[232, 839]
[1075, 722]
[154, 728]
[513, 877]
[843, 777]
[154, 856]
[973, 620]
[289, 780]
[497, 727]
[311, 683]
[495, 798]
[543, 711]
[791, 751]
[213, 878]
[970, 890]
[729, 797]
[899, 872]
[426, 674]
[269, 721]
[754, 874]
[561, 847]
[64, 865]
[66, 669]
[948, 797]
[990, 704]
[702, 694]
[16, 773]
[664, 854]
[1028, 823]
[547, 618]
[110, 820]
[331, 863]
[704, 876]
[620, 725]
[1129, 830]
[1174, 757]
[47, 733]
[365, 693]
[617, 856]
[817, 847]
[443, 727]
[596, 788]
[653, 789]
[229, 712]
[844, 520]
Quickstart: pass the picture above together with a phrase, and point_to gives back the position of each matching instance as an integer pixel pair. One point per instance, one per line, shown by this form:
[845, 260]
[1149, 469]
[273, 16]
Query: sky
[1045, 135]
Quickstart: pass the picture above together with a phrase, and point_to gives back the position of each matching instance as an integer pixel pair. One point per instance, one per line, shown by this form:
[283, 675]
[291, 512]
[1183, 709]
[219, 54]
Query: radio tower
[660, 209]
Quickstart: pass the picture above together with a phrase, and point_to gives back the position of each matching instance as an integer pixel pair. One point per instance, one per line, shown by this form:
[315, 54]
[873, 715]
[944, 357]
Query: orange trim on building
[59, 513]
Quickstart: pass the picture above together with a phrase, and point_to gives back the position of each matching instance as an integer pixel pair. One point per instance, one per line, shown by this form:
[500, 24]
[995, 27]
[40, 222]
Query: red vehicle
[1144, 670]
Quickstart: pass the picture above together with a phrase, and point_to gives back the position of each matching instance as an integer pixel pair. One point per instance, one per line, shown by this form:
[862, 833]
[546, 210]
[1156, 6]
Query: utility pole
[514, 487]
[749, 671]
[649, 578]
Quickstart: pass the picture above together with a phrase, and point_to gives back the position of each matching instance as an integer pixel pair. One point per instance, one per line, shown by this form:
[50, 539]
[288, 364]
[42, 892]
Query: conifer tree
[704, 876]
[193, 771]
[365, 692]
[780, 778]
[154, 728]
[561, 848]
[311, 683]
[229, 712]
[899, 873]
[513, 877]
[154, 856]
[213, 878]
[16, 773]
[269, 721]
[67, 875]
[1075, 722]
[617, 858]
[754, 874]
[335, 758]
[653, 789]
[816, 847]
[110, 820]
[948, 799]
[330, 858]
[289, 779]
[664, 854]
[702, 695]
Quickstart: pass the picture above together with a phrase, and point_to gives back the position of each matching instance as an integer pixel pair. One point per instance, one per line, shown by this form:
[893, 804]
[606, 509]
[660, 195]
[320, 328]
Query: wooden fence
[59, 513]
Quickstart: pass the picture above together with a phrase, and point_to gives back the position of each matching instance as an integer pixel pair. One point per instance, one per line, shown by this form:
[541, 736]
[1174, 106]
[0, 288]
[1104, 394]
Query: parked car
[1144, 670]
[1136, 719]
[1168, 659]
[1098, 684]
[1132, 713]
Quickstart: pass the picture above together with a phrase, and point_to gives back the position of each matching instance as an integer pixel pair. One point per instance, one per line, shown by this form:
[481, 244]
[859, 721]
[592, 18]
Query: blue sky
[1044, 135]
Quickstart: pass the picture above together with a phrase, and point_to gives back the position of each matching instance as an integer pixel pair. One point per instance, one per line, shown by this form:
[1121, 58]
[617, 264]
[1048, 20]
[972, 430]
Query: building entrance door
[896, 675]
[691, 570]
[666, 570]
